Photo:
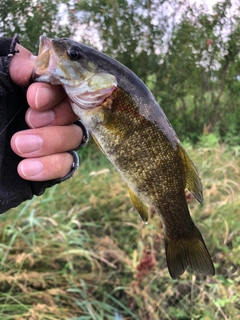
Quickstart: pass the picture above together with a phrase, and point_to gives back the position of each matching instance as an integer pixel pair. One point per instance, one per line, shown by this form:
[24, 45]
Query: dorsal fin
[192, 181]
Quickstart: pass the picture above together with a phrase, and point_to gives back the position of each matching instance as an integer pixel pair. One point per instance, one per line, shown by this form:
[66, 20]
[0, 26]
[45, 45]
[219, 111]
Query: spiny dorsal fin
[141, 207]
[192, 181]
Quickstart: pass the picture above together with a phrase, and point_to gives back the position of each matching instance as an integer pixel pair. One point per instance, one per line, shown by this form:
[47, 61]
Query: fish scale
[135, 135]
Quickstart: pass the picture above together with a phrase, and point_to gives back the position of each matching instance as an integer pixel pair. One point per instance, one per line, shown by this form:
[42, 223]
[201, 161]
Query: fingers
[46, 141]
[49, 105]
[50, 116]
[45, 168]
[61, 114]
[45, 151]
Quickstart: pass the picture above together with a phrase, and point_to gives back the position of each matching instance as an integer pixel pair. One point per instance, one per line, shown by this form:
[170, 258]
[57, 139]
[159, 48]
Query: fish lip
[45, 44]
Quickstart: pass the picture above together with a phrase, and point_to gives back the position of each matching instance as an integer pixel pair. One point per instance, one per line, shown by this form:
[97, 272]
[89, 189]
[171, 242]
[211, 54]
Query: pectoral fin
[141, 207]
[192, 180]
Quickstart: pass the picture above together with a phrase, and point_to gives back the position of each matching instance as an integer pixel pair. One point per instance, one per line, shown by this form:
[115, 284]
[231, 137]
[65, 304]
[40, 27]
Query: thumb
[21, 66]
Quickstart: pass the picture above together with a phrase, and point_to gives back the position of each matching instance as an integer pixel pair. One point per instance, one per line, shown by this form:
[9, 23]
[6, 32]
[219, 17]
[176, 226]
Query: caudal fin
[191, 252]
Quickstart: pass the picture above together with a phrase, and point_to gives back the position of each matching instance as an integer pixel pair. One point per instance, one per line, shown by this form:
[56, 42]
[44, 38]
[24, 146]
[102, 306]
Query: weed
[81, 252]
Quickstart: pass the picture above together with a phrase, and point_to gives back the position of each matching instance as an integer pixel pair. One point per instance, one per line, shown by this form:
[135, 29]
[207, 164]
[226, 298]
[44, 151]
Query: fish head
[63, 61]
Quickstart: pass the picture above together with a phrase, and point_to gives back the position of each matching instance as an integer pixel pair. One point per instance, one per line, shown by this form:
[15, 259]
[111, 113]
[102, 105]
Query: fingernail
[43, 97]
[38, 119]
[31, 168]
[28, 143]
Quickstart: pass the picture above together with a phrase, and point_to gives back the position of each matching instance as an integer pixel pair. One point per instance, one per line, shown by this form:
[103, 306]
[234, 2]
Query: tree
[126, 31]
[31, 18]
[199, 71]
[186, 55]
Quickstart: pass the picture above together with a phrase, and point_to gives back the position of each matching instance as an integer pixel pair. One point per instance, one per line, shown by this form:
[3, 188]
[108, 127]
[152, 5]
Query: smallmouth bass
[135, 135]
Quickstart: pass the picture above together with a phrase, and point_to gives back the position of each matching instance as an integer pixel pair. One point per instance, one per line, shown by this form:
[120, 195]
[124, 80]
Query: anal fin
[141, 207]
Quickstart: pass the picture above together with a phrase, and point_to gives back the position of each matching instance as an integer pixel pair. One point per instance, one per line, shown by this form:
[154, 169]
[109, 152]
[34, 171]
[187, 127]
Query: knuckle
[62, 164]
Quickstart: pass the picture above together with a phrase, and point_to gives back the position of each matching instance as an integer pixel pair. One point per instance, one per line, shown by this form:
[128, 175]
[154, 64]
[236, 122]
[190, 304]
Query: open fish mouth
[85, 84]
[46, 62]
[45, 44]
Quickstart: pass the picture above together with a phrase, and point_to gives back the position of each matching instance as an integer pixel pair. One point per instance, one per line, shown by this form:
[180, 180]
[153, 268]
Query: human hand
[44, 147]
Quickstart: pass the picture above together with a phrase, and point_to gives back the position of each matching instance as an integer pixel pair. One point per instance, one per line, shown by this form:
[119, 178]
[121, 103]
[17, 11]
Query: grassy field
[81, 251]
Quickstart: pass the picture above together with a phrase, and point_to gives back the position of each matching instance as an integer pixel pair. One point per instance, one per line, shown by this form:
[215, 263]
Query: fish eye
[74, 53]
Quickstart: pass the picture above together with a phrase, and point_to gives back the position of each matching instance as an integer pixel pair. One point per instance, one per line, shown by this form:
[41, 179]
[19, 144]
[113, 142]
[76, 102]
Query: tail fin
[190, 252]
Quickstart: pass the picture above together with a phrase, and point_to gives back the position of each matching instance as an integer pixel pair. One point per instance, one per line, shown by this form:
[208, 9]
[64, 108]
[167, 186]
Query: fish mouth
[45, 44]
[46, 61]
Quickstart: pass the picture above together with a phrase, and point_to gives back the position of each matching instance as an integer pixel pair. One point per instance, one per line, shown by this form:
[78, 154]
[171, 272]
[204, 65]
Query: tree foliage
[32, 18]
[199, 70]
[186, 54]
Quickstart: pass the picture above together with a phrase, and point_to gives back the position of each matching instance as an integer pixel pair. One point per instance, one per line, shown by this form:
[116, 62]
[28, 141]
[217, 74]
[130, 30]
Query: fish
[133, 132]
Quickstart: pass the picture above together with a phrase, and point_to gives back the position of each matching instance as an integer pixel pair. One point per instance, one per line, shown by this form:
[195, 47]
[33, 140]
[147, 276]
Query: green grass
[81, 252]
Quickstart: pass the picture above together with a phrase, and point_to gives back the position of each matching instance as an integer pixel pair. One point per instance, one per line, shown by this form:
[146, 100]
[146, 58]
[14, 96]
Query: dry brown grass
[81, 251]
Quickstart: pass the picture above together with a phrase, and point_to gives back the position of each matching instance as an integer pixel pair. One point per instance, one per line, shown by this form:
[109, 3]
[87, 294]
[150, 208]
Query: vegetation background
[80, 251]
